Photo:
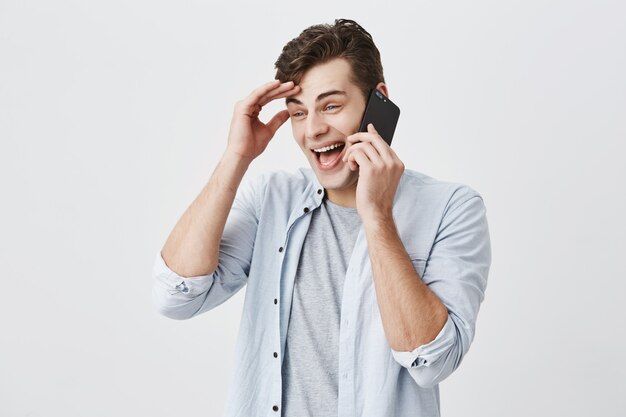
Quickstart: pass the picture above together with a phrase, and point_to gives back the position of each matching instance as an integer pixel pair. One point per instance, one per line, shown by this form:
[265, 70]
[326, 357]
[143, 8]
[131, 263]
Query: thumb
[278, 120]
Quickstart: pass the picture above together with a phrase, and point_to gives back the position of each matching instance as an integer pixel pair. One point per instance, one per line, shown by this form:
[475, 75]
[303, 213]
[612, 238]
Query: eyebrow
[320, 97]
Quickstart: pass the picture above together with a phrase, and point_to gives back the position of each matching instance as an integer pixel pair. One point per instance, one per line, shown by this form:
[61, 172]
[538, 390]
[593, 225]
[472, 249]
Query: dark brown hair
[320, 43]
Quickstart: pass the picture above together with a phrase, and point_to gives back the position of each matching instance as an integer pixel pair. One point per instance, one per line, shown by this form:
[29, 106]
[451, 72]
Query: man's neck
[345, 198]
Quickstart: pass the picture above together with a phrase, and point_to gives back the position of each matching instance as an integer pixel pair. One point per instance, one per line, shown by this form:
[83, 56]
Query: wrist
[236, 159]
[377, 219]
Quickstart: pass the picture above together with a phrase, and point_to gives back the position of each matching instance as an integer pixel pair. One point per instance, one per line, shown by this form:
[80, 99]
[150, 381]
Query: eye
[331, 105]
[297, 114]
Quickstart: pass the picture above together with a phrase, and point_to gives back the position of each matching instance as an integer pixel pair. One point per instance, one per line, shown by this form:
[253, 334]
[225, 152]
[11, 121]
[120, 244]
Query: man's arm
[412, 315]
[192, 249]
[206, 259]
[424, 338]
[455, 276]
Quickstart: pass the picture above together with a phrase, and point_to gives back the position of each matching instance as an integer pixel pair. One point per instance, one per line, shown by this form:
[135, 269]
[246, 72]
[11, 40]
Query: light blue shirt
[444, 229]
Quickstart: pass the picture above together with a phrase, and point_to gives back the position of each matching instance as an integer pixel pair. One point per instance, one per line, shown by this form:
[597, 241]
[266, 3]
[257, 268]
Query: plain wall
[113, 115]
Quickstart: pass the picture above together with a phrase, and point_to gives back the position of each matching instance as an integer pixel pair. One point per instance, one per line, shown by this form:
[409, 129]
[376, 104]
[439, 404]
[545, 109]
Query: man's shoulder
[300, 178]
[426, 188]
[282, 182]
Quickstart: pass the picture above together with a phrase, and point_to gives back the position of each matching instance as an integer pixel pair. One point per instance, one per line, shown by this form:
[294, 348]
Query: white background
[113, 115]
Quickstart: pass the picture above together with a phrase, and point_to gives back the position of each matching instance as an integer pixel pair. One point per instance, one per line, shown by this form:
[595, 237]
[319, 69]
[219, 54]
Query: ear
[383, 88]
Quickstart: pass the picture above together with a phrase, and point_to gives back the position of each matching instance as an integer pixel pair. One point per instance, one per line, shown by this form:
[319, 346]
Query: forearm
[412, 315]
[192, 248]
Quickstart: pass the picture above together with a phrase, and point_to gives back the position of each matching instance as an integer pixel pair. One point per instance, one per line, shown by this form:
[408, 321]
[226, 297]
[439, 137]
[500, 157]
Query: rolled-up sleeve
[456, 271]
[174, 296]
[182, 298]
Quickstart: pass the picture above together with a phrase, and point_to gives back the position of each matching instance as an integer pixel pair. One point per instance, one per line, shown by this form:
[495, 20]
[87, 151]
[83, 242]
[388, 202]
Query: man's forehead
[323, 80]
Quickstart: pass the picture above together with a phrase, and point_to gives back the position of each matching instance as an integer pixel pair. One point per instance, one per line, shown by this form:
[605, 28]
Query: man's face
[327, 110]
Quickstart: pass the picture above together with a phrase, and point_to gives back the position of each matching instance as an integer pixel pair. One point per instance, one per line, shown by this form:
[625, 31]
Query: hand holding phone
[382, 113]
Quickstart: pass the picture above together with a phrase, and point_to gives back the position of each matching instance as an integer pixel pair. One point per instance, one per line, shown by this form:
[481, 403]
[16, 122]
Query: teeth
[328, 148]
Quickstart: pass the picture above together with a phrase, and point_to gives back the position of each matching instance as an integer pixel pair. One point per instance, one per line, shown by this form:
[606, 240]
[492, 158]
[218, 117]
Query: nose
[315, 126]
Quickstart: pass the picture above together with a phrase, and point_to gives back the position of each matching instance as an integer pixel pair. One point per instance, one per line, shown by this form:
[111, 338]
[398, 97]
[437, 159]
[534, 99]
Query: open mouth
[329, 155]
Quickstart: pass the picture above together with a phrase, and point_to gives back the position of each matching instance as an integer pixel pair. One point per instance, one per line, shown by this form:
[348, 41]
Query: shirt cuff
[427, 354]
[174, 283]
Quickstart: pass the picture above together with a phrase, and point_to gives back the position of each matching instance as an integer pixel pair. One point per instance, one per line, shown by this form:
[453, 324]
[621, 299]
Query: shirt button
[319, 191]
[280, 249]
[275, 408]
[275, 301]
[275, 354]
[306, 209]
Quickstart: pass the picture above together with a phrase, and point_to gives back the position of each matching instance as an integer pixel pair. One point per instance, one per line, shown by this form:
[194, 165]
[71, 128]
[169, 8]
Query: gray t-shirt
[309, 369]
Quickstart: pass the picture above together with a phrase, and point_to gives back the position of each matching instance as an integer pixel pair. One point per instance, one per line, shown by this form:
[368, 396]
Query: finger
[360, 158]
[363, 136]
[350, 149]
[367, 147]
[357, 137]
[277, 89]
[251, 105]
[372, 137]
[383, 148]
[252, 111]
[369, 150]
[280, 93]
[356, 154]
[256, 94]
[278, 120]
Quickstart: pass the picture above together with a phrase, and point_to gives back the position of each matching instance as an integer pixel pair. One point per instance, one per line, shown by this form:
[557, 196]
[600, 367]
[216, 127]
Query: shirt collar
[311, 198]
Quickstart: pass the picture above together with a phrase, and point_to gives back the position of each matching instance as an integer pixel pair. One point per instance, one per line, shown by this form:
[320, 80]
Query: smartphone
[382, 113]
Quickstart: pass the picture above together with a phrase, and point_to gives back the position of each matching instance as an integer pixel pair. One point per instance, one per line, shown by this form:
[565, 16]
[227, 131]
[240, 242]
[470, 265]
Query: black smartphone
[382, 113]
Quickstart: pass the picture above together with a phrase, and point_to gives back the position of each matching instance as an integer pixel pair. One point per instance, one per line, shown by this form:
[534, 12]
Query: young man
[364, 279]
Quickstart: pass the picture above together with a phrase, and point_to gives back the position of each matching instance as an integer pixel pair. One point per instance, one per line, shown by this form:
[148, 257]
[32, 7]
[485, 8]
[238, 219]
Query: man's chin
[337, 179]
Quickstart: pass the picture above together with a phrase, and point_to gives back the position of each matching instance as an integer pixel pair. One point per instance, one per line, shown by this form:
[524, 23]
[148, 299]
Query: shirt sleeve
[182, 298]
[456, 271]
